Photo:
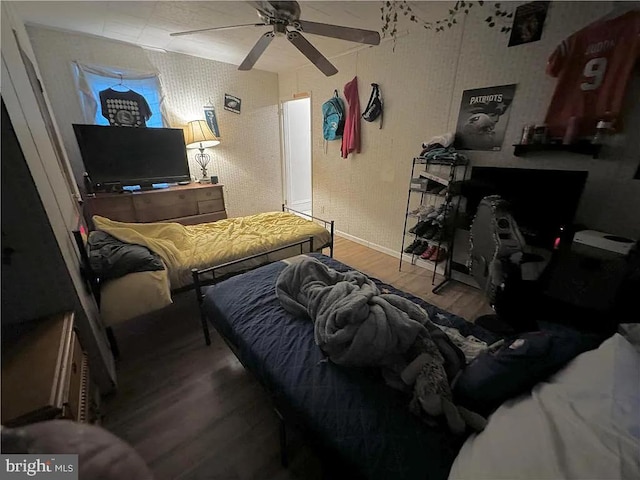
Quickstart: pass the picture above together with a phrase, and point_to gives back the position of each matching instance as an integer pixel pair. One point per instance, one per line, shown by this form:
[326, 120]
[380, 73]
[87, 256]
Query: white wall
[248, 159]
[422, 83]
[297, 151]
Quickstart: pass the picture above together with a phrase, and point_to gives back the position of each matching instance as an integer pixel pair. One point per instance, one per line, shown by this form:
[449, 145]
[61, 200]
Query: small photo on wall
[232, 103]
[528, 23]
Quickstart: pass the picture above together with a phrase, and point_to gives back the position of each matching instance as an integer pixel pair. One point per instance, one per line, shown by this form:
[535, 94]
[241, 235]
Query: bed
[183, 248]
[353, 417]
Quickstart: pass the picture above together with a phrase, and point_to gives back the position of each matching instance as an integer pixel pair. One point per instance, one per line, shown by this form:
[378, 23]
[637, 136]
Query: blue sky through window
[149, 88]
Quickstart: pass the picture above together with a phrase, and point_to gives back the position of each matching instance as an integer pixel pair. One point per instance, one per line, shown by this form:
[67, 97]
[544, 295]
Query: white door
[296, 119]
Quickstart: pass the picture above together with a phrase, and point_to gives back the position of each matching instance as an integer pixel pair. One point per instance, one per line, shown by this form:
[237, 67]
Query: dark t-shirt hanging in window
[124, 109]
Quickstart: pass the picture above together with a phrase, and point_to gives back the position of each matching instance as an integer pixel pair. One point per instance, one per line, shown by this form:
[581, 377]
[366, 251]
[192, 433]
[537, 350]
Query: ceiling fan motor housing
[273, 13]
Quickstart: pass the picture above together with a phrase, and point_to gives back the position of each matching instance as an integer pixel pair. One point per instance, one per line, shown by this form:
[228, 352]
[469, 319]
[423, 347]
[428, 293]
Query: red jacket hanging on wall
[351, 135]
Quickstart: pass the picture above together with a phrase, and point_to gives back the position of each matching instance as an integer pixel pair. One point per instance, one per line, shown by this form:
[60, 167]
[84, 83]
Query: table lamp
[199, 135]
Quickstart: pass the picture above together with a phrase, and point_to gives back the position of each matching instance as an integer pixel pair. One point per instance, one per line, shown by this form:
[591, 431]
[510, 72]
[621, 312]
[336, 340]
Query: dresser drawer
[155, 207]
[119, 208]
[210, 206]
[162, 199]
[212, 193]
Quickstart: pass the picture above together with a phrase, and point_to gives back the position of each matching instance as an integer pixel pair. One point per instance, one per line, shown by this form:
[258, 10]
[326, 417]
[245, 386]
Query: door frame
[283, 139]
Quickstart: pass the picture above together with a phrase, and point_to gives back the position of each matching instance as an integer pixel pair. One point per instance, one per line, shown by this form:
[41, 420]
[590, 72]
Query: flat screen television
[132, 156]
[542, 201]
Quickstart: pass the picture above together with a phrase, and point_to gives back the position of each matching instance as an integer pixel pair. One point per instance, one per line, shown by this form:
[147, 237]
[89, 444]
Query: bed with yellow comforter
[184, 247]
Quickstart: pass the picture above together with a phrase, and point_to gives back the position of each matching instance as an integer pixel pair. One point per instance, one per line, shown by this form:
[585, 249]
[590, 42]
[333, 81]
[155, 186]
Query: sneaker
[428, 252]
[425, 210]
[439, 255]
[425, 229]
[419, 250]
[436, 212]
[429, 232]
[410, 248]
[415, 228]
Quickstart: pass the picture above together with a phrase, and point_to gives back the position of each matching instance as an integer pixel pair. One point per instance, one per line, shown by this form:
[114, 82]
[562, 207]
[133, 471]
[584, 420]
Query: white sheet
[583, 423]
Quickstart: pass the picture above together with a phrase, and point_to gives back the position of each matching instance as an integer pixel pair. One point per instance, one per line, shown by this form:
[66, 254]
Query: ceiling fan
[284, 17]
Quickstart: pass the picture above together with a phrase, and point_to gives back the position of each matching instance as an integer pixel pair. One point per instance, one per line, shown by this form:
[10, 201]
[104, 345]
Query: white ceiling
[149, 23]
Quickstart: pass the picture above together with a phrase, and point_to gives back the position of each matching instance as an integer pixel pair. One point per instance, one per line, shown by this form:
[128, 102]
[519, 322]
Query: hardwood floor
[193, 412]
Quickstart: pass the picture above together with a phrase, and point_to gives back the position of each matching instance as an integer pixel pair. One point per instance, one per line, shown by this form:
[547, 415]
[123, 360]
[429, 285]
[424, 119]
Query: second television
[132, 156]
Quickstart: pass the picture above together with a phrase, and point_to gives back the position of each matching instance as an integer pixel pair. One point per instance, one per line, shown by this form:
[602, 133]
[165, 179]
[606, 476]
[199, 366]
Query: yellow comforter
[198, 246]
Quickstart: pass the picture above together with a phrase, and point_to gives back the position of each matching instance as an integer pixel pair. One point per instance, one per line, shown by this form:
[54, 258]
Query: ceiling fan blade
[359, 35]
[257, 50]
[200, 30]
[311, 53]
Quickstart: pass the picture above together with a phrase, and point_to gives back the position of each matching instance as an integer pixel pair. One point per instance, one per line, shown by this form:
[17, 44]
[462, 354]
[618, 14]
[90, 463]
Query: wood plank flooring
[193, 412]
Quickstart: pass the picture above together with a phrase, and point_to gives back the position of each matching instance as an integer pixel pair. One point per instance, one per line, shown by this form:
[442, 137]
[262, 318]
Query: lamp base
[205, 180]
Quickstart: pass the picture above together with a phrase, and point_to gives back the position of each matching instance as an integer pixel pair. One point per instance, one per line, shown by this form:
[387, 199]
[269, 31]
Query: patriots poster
[484, 114]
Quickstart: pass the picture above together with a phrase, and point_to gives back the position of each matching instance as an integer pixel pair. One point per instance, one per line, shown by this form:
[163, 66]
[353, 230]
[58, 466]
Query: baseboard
[374, 246]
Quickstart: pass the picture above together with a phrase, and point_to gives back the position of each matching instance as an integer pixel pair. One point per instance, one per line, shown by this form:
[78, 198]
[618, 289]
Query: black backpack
[374, 107]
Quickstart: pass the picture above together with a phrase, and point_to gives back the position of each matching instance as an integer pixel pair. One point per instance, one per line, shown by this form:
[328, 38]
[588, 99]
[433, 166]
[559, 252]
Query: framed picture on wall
[484, 114]
[528, 23]
[232, 103]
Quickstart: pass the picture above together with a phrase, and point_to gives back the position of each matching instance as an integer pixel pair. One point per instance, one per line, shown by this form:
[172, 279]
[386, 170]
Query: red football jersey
[593, 67]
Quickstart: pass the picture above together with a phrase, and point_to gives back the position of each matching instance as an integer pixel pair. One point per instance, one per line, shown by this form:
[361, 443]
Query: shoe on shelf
[419, 250]
[428, 252]
[425, 210]
[436, 212]
[430, 232]
[439, 255]
[414, 228]
[410, 248]
[425, 230]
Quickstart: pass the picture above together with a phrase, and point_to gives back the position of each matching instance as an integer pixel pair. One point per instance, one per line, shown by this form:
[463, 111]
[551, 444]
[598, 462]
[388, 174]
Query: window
[91, 80]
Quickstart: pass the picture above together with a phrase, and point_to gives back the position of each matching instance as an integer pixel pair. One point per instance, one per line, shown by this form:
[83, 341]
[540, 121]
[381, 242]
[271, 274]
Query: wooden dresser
[45, 375]
[186, 204]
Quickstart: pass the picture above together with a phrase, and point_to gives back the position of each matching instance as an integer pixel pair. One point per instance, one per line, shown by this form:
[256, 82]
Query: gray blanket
[357, 325]
[354, 324]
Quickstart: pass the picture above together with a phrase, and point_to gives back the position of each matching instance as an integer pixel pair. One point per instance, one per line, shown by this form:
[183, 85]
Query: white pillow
[582, 423]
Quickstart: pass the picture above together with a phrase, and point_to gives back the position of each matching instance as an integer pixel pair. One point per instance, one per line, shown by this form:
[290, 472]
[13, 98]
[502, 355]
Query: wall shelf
[583, 148]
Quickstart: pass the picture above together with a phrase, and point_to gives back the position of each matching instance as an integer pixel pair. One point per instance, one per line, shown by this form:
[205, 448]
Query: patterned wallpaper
[248, 159]
[422, 83]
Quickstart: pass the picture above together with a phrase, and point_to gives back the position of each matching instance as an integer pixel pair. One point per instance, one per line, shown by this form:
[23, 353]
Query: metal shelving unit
[450, 168]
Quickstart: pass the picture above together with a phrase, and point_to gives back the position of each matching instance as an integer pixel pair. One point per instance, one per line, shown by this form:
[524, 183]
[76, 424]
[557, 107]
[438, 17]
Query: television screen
[132, 156]
[542, 201]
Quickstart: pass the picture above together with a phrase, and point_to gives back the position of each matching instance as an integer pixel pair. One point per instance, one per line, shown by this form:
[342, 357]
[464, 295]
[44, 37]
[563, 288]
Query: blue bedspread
[349, 411]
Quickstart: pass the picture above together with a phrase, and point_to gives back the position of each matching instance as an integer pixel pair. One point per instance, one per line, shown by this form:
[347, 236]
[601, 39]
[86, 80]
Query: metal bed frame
[328, 224]
[286, 417]
[199, 282]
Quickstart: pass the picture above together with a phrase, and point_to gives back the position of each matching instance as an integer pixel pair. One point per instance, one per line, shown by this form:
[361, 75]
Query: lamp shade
[199, 135]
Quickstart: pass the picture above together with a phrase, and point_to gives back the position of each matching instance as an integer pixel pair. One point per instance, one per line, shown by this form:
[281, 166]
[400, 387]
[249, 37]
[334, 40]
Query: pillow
[110, 258]
[494, 377]
[583, 422]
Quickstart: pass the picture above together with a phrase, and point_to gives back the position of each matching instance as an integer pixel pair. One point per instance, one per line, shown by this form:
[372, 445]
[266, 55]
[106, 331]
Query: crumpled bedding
[183, 248]
[110, 258]
[357, 325]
